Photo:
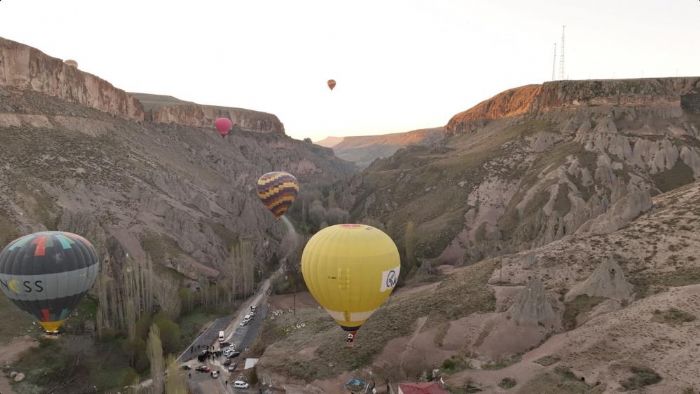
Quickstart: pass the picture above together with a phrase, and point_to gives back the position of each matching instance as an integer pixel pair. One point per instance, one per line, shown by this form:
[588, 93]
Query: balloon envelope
[223, 125]
[331, 83]
[47, 273]
[350, 269]
[278, 190]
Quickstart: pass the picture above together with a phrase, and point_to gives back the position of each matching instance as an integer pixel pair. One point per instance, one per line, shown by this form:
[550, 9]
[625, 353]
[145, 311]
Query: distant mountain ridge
[363, 150]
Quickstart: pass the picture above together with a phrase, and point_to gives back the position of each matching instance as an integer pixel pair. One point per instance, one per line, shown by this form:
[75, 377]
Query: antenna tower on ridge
[554, 62]
[561, 57]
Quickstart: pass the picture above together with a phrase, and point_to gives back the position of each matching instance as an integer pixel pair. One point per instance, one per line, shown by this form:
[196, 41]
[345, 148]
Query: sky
[400, 65]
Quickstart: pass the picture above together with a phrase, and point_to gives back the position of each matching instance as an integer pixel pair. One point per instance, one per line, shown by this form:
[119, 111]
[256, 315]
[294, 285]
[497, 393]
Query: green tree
[135, 350]
[169, 332]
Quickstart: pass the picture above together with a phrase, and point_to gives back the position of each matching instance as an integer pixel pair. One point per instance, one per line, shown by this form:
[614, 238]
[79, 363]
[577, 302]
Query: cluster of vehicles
[228, 351]
[249, 317]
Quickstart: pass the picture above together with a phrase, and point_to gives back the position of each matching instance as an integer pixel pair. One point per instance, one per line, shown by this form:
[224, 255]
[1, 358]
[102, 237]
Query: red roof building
[421, 388]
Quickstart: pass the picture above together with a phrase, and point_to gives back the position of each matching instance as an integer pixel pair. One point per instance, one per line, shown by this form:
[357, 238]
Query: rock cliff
[563, 95]
[163, 109]
[26, 68]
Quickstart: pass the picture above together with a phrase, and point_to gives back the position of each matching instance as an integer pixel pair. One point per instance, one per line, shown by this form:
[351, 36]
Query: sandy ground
[8, 354]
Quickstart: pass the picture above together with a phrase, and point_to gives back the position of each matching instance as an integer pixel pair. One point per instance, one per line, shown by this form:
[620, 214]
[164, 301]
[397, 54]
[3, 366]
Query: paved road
[207, 338]
[241, 337]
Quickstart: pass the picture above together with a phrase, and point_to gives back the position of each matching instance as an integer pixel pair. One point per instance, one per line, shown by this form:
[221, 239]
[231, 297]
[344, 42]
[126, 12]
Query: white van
[221, 336]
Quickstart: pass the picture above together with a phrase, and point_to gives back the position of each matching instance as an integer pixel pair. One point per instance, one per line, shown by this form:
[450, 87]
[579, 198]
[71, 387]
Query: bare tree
[248, 266]
[167, 297]
[124, 297]
[155, 355]
[102, 318]
[409, 241]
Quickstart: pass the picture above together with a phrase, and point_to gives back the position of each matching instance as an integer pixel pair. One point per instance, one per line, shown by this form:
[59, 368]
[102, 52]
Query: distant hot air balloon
[331, 83]
[71, 63]
[278, 190]
[47, 273]
[350, 269]
[223, 125]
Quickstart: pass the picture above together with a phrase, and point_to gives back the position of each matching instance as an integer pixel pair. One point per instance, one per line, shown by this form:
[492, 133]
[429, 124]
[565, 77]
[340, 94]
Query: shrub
[507, 383]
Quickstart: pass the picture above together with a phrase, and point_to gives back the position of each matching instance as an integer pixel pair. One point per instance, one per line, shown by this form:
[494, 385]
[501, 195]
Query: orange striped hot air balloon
[278, 190]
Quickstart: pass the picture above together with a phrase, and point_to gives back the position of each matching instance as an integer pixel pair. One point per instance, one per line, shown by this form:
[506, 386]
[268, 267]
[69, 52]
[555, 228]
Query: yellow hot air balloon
[350, 269]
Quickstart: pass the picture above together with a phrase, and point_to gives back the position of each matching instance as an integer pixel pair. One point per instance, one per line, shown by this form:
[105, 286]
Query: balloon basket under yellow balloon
[51, 327]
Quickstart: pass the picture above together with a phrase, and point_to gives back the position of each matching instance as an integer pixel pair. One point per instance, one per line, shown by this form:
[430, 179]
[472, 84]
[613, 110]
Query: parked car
[233, 354]
[214, 374]
[239, 384]
[185, 367]
[222, 336]
[231, 367]
[203, 368]
[227, 362]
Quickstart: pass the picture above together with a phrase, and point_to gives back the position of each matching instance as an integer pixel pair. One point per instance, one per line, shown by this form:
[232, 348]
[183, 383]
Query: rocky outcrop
[607, 281]
[528, 322]
[532, 307]
[23, 67]
[512, 102]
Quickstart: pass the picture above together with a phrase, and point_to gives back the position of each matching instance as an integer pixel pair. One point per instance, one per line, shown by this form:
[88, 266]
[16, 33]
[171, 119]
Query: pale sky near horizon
[400, 64]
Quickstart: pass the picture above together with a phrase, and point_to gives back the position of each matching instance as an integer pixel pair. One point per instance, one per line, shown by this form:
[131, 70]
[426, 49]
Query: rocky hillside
[585, 314]
[167, 188]
[363, 150]
[534, 164]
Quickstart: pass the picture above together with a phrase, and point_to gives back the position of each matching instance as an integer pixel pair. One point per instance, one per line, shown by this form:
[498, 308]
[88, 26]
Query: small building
[421, 388]
[250, 363]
